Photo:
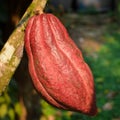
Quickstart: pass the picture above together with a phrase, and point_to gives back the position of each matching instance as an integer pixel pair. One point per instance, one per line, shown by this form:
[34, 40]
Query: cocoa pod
[56, 65]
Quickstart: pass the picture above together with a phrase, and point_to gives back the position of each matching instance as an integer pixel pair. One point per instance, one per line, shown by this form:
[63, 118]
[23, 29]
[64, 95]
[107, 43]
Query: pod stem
[12, 52]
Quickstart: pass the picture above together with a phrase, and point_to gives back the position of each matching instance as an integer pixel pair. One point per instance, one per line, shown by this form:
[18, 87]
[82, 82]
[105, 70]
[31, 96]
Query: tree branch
[12, 52]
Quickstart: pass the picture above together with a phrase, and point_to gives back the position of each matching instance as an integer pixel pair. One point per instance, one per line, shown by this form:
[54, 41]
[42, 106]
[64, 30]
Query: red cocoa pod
[56, 65]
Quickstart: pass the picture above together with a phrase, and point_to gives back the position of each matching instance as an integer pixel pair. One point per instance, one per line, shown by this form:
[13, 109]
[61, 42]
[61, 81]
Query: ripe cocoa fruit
[56, 65]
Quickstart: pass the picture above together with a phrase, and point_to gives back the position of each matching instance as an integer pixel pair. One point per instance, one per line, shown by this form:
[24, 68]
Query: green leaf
[18, 109]
[3, 110]
[11, 114]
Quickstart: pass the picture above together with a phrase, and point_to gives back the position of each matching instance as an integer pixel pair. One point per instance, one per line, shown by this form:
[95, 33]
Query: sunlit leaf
[47, 109]
[3, 110]
[18, 109]
[11, 114]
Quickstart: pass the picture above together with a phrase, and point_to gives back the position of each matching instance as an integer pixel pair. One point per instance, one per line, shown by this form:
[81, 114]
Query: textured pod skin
[56, 66]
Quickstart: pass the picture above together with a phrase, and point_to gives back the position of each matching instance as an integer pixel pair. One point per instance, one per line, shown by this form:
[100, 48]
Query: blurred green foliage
[9, 103]
[106, 69]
